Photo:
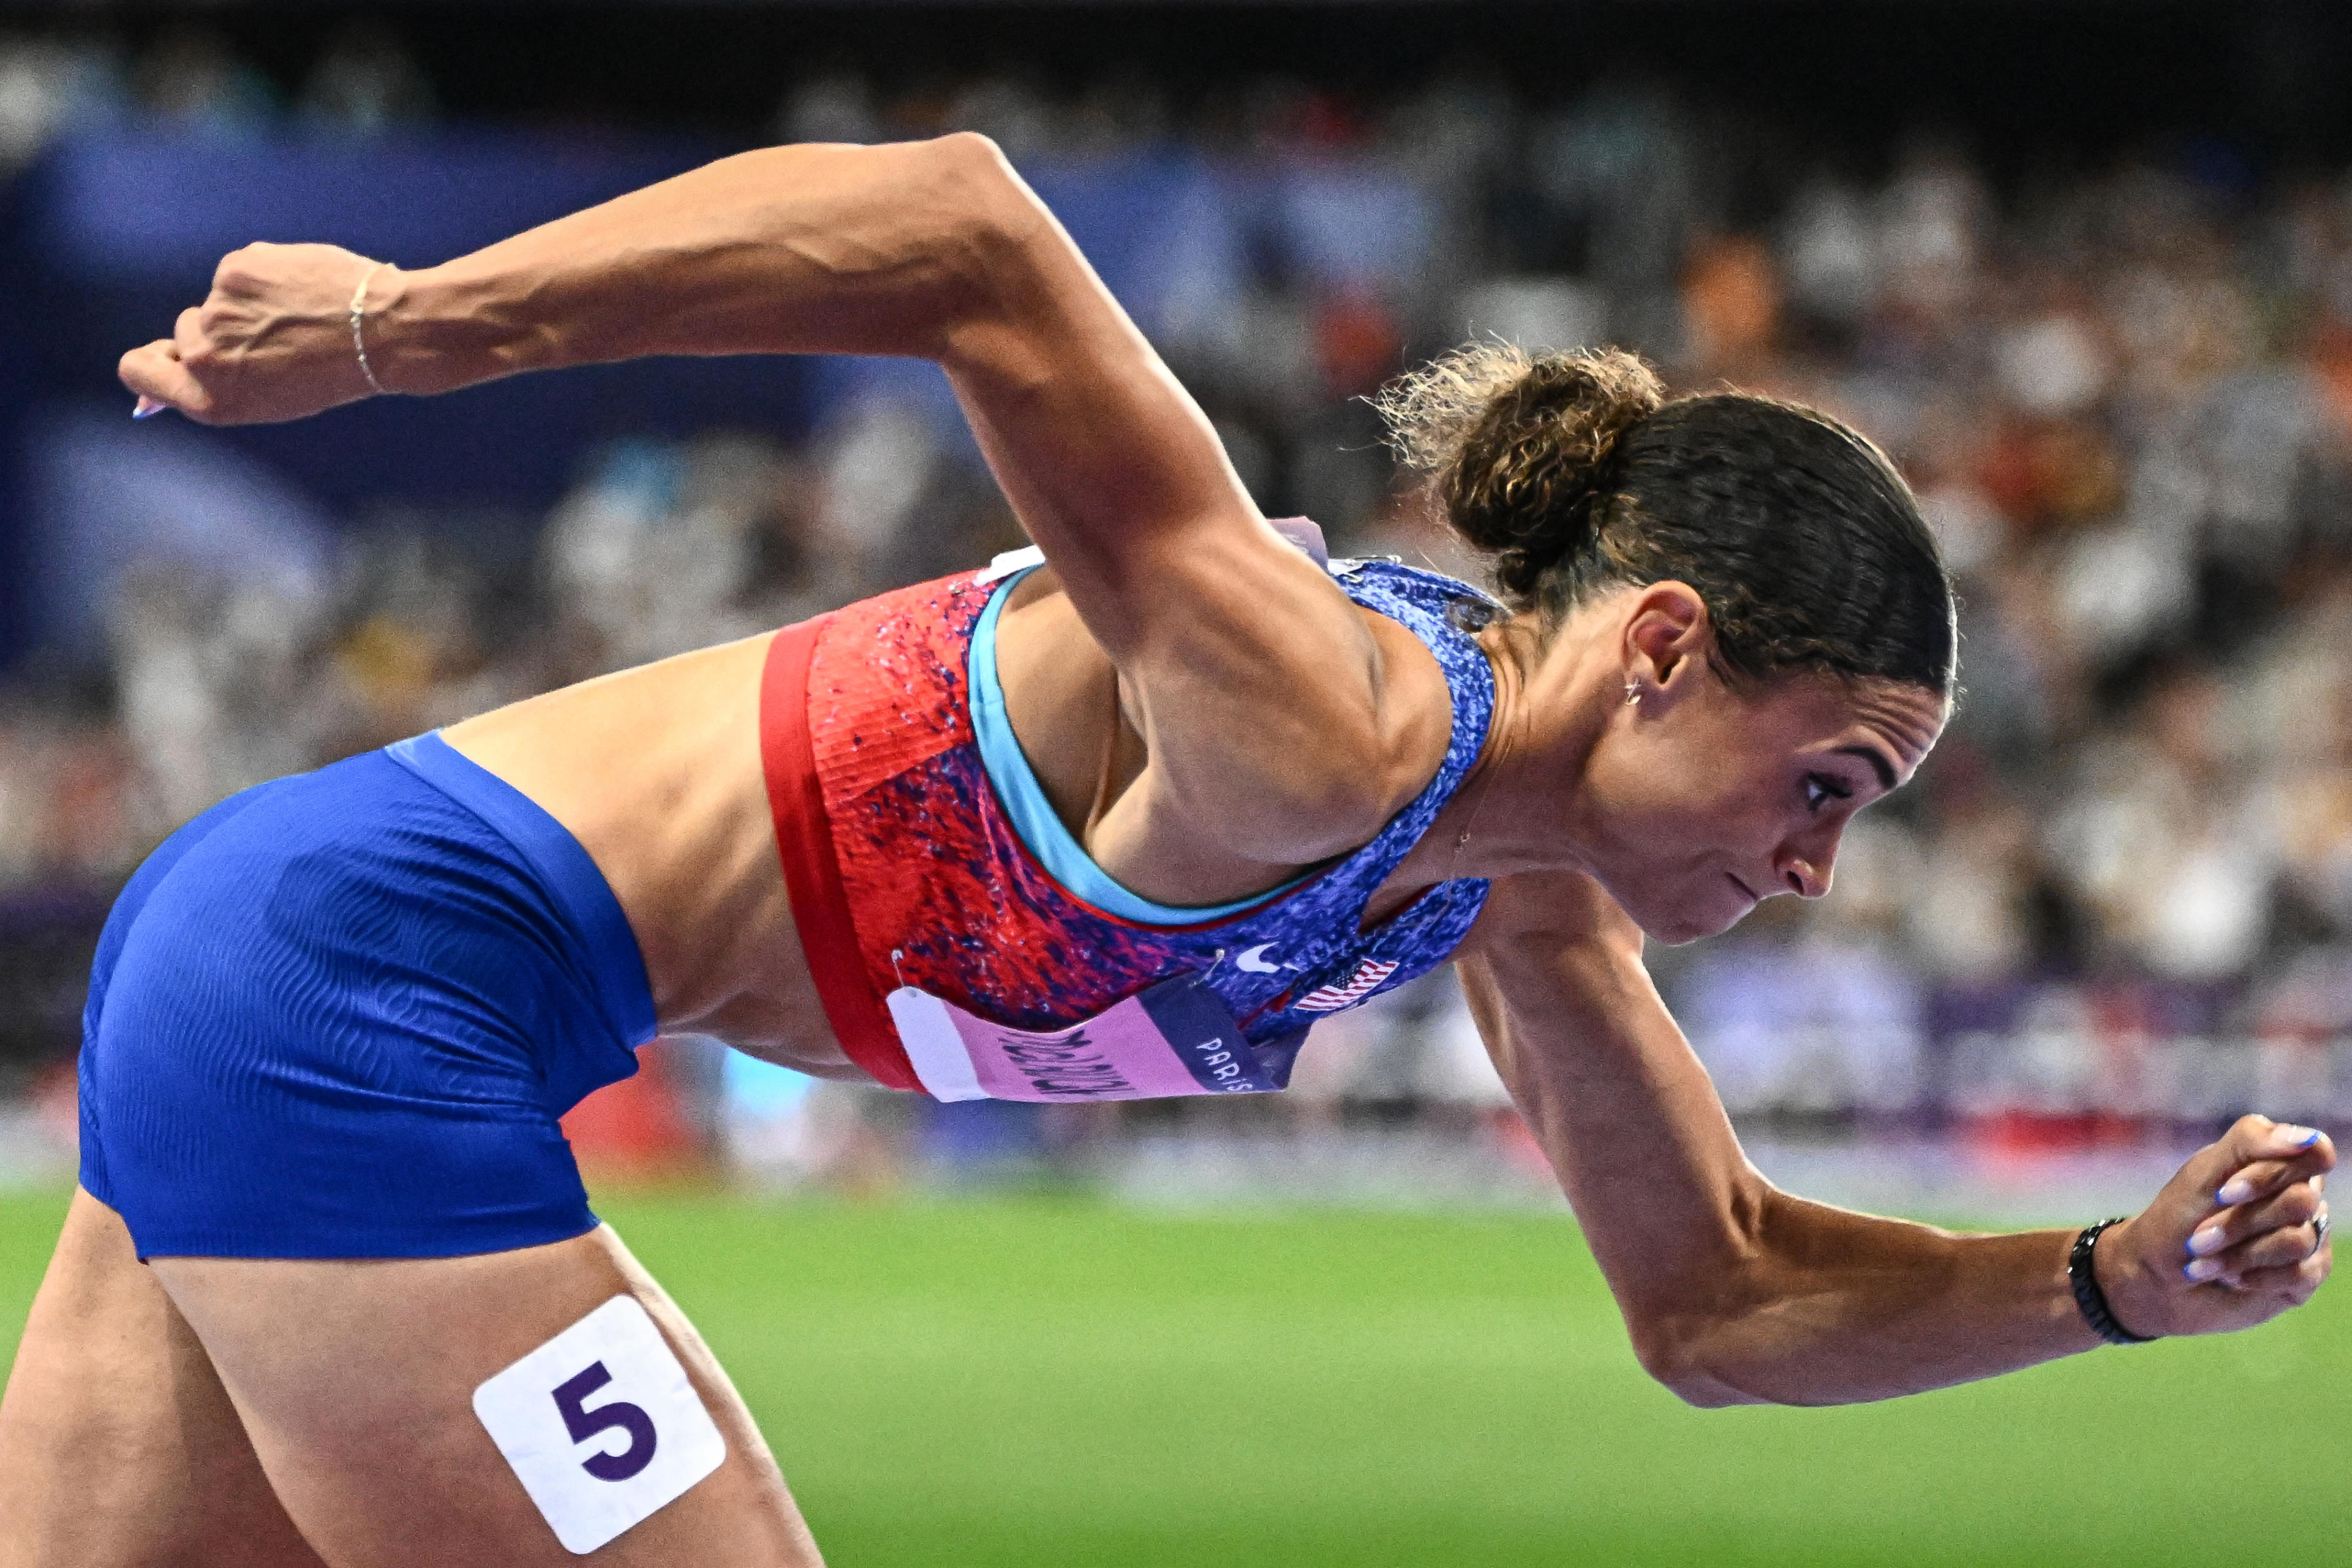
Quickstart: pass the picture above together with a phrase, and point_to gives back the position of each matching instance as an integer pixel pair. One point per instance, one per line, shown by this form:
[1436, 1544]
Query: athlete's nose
[1808, 869]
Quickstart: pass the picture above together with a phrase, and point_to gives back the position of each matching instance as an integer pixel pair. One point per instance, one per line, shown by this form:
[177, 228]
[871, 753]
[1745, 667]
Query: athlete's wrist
[441, 328]
[2133, 1300]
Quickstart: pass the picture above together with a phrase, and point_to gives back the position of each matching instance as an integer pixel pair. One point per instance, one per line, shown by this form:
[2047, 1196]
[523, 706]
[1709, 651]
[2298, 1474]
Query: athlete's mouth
[1743, 886]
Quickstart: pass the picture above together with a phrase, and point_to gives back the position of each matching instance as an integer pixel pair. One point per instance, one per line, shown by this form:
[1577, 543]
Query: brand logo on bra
[1254, 961]
[1361, 985]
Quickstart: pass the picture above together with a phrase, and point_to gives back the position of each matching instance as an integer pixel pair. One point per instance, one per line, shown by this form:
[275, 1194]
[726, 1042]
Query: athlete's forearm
[1735, 1291]
[1732, 1291]
[1833, 1307]
[805, 250]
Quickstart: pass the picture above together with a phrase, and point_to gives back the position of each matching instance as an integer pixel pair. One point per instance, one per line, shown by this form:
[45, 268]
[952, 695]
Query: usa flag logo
[1361, 985]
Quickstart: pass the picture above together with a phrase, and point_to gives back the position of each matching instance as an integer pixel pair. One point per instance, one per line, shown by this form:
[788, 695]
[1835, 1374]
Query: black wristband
[2089, 1300]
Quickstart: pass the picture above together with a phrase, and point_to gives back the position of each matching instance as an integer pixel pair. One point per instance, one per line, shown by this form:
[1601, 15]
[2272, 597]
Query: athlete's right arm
[1269, 705]
[1737, 1292]
[805, 249]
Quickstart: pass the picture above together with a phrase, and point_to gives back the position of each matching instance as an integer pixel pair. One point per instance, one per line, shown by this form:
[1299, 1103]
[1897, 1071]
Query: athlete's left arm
[1736, 1292]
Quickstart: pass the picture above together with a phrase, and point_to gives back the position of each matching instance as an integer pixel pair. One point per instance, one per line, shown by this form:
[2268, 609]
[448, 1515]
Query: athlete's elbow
[1675, 1352]
[988, 226]
[1663, 1346]
[972, 179]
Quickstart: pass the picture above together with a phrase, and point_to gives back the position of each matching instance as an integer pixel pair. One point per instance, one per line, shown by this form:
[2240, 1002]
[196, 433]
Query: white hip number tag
[601, 1425]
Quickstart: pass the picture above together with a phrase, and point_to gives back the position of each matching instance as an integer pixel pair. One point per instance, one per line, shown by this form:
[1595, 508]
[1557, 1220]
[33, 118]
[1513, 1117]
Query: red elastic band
[812, 874]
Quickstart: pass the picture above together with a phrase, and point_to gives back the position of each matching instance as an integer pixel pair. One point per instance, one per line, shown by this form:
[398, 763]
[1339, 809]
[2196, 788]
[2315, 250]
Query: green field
[1033, 1381]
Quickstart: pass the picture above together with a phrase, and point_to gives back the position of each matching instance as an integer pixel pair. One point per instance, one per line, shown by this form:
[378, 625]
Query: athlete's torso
[962, 882]
[658, 772]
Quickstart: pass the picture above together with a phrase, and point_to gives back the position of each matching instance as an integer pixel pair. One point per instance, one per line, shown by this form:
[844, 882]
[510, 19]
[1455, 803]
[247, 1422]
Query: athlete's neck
[1520, 806]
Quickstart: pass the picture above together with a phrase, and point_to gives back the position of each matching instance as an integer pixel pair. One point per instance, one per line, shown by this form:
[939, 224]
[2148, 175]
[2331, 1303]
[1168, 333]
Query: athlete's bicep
[1613, 1092]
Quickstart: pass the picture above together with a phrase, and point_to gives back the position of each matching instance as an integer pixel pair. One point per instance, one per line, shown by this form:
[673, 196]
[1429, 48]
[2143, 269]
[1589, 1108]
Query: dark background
[2032, 84]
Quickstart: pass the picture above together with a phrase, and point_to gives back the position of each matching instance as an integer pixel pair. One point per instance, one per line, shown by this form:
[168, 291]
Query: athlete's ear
[1667, 636]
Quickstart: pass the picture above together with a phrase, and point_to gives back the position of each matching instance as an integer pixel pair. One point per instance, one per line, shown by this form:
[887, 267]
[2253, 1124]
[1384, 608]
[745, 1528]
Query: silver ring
[2318, 1232]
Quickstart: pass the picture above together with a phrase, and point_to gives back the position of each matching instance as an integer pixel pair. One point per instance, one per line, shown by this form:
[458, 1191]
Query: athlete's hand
[2230, 1241]
[273, 340]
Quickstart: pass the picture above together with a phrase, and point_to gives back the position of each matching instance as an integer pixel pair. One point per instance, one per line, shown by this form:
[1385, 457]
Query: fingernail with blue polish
[148, 413]
[2308, 1138]
[2201, 1271]
[2237, 1190]
[2209, 1239]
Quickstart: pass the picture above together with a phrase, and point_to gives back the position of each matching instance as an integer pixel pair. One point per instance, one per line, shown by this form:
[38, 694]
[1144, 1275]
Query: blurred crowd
[2120, 895]
[364, 81]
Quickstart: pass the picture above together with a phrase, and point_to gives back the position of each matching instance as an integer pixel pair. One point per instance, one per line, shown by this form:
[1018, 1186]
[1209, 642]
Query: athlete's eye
[1821, 789]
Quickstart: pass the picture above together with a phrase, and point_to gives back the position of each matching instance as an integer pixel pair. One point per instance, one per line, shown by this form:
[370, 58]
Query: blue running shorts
[337, 1015]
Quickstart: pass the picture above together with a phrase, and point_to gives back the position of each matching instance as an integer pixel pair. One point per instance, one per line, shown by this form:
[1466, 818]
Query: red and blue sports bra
[965, 945]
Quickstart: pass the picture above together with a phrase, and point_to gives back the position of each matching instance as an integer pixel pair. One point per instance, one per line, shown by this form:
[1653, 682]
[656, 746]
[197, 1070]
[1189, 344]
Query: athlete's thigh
[118, 1445]
[357, 1380]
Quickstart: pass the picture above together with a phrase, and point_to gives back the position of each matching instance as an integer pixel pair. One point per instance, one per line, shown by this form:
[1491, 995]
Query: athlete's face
[1706, 798]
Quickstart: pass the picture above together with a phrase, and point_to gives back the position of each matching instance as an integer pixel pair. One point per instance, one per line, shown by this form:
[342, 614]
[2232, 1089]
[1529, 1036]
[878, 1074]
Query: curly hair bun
[1518, 446]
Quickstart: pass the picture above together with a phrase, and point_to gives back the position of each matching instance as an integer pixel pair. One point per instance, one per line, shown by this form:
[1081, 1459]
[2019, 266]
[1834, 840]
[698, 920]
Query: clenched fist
[2237, 1237]
[272, 341]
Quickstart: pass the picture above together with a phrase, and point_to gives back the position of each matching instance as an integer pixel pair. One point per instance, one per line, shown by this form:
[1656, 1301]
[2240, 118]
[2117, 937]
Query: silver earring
[1633, 692]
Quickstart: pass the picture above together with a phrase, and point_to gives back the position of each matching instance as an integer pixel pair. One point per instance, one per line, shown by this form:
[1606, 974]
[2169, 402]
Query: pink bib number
[1174, 1038]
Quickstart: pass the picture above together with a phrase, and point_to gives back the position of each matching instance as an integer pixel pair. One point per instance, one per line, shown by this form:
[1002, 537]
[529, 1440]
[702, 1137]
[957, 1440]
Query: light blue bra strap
[1031, 815]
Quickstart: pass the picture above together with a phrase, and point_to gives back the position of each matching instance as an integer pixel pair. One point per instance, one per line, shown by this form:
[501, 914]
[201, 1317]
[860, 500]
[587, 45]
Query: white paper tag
[1007, 563]
[601, 1425]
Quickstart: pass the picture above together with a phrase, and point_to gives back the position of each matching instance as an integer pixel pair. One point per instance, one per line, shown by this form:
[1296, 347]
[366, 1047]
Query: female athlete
[1121, 824]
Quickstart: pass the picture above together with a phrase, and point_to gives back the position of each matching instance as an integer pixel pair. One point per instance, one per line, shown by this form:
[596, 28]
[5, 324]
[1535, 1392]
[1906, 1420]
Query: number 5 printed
[584, 1423]
[552, 1414]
